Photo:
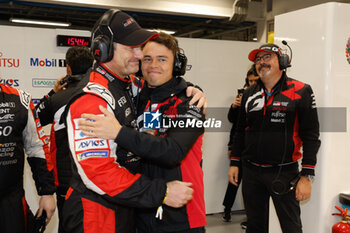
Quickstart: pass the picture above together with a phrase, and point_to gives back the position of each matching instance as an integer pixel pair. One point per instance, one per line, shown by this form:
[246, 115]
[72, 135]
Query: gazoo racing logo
[8, 62]
[47, 62]
[90, 144]
[10, 82]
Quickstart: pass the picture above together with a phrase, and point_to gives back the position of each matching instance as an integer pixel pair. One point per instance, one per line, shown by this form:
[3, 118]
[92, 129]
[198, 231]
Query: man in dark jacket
[277, 118]
[165, 92]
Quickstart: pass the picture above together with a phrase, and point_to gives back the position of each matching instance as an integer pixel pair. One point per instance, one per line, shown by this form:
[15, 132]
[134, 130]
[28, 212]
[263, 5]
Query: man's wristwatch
[310, 177]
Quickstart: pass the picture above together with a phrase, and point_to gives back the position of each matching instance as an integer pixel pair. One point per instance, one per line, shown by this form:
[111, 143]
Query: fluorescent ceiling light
[255, 39]
[29, 21]
[161, 30]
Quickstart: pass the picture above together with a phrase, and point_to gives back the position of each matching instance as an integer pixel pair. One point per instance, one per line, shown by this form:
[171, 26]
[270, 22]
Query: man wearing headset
[175, 154]
[278, 117]
[105, 183]
[50, 109]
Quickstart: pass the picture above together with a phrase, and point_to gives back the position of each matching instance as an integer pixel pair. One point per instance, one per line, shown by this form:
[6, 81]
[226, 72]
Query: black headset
[102, 37]
[283, 59]
[180, 62]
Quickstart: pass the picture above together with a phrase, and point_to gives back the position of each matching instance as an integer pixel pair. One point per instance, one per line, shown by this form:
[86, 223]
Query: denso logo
[10, 82]
[91, 144]
[8, 62]
[47, 62]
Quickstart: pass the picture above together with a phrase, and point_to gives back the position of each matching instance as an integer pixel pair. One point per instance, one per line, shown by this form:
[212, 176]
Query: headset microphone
[290, 49]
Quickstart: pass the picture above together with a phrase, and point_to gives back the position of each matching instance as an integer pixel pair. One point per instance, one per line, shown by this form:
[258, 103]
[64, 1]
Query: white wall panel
[219, 67]
[318, 36]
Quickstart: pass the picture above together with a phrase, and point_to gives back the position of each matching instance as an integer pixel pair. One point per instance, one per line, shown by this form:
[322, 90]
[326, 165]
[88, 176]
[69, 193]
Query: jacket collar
[158, 94]
[104, 71]
[281, 85]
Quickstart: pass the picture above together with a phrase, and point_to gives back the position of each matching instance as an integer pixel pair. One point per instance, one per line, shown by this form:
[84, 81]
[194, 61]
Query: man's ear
[69, 70]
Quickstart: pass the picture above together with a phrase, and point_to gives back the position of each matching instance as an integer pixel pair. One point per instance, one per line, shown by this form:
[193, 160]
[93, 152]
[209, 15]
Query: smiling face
[266, 64]
[125, 60]
[157, 64]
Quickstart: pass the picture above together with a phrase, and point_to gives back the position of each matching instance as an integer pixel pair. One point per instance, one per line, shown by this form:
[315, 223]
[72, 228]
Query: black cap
[270, 48]
[128, 32]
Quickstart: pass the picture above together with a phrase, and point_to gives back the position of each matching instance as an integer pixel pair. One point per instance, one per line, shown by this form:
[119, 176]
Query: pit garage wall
[218, 67]
[319, 36]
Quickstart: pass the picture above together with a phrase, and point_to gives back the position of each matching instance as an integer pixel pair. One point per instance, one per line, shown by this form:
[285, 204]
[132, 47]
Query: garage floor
[216, 225]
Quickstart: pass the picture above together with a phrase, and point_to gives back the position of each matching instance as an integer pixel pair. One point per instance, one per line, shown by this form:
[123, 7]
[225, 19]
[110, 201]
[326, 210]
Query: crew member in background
[175, 154]
[232, 116]
[50, 109]
[278, 117]
[20, 131]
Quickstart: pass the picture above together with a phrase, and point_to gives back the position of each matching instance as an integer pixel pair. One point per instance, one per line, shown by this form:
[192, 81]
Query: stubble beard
[263, 75]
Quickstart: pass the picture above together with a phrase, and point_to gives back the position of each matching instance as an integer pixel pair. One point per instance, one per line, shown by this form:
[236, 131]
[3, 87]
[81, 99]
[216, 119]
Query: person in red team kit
[175, 154]
[105, 184]
[21, 131]
[278, 116]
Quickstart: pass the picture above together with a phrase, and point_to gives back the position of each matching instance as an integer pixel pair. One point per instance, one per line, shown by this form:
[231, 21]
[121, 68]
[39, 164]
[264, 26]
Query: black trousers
[231, 192]
[60, 202]
[259, 184]
[15, 215]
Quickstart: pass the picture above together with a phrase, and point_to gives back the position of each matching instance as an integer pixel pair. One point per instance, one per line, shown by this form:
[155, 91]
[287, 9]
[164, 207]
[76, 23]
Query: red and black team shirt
[174, 154]
[20, 130]
[273, 127]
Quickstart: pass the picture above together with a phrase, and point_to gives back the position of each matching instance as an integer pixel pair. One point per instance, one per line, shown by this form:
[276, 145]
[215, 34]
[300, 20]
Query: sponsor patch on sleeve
[90, 144]
[78, 134]
[41, 133]
[97, 89]
[92, 154]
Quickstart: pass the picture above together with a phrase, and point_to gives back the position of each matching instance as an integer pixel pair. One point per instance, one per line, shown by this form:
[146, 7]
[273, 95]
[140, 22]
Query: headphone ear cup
[180, 63]
[283, 61]
[102, 37]
[101, 49]
[254, 70]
